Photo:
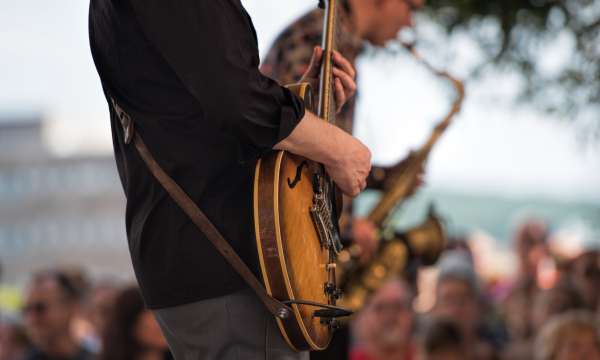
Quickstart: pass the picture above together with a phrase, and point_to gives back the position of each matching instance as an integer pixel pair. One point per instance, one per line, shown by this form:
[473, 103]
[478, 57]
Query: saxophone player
[373, 21]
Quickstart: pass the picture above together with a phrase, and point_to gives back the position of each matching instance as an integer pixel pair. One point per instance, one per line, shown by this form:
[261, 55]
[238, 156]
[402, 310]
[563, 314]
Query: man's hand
[343, 76]
[350, 166]
[364, 234]
[346, 159]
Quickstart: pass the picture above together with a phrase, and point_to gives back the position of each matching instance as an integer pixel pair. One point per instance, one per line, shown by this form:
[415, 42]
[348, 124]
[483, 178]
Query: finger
[341, 92]
[343, 63]
[363, 185]
[340, 95]
[315, 62]
[355, 191]
[350, 191]
[347, 81]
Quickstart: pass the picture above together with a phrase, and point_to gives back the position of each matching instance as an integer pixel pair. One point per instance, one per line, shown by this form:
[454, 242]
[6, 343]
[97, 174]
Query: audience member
[97, 309]
[516, 310]
[547, 303]
[530, 242]
[530, 247]
[574, 335]
[442, 339]
[81, 327]
[585, 274]
[51, 302]
[458, 299]
[13, 341]
[132, 332]
[383, 328]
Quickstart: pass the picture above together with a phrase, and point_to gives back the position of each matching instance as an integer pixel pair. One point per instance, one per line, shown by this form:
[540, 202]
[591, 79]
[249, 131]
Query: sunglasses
[38, 308]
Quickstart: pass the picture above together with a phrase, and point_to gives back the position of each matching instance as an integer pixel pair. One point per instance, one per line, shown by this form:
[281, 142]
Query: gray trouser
[235, 326]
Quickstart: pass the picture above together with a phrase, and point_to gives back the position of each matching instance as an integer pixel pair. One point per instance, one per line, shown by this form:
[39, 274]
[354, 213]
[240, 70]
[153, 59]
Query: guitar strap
[274, 306]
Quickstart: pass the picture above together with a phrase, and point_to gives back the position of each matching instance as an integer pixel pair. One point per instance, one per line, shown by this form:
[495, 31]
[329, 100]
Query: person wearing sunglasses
[51, 303]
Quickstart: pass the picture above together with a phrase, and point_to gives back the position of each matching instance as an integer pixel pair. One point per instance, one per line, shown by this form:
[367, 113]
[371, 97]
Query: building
[57, 210]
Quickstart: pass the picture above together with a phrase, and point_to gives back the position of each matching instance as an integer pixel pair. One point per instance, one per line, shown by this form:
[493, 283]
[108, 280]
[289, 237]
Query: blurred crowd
[64, 316]
[549, 309]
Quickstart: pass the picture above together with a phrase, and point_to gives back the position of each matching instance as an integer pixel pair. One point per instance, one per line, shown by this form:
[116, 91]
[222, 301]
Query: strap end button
[283, 313]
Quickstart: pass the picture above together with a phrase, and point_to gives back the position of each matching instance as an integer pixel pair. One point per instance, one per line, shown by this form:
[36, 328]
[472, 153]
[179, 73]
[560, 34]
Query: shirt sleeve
[211, 47]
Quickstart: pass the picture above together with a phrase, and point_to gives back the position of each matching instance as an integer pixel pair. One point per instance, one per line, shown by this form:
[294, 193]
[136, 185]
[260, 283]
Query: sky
[492, 147]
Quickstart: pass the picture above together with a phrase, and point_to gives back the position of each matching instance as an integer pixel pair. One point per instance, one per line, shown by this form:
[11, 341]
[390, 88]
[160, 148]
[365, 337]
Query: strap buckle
[126, 122]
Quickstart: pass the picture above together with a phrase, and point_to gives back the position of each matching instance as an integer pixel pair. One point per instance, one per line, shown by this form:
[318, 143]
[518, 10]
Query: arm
[346, 159]
[210, 47]
[219, 67]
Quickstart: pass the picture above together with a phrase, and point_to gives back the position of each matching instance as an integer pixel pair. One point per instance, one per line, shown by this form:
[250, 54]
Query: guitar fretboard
[327, 103]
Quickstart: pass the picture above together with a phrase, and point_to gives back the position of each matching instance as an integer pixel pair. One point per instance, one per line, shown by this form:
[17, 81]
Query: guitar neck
[327, 104]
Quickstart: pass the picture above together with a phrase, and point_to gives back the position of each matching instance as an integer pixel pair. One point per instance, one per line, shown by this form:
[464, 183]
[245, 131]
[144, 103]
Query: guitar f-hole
[292, 183]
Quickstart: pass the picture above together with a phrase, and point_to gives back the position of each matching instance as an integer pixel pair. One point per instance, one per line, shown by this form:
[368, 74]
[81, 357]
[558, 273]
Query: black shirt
[187, 72]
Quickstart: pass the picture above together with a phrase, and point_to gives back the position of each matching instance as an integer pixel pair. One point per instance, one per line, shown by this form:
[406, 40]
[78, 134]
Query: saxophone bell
[427, 240]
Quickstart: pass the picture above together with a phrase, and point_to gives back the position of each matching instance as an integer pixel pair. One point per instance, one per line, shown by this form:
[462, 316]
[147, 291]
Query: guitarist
[372, 21]
[186, 72]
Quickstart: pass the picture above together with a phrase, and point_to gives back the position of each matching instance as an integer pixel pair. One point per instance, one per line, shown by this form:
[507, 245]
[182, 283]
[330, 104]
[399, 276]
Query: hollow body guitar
[296, 263]
[296, 209]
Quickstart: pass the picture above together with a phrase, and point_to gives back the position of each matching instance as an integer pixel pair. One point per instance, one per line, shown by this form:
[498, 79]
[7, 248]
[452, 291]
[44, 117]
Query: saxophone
[424, 242]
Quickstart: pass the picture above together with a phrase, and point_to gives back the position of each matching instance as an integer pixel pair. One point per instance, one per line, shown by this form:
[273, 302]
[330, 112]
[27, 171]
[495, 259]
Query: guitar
[296, 213]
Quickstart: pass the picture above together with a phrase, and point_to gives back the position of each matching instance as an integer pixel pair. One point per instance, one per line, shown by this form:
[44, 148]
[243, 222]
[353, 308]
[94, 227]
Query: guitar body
[293, 258]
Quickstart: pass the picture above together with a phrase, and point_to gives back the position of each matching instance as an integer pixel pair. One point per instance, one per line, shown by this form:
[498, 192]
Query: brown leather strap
[274, 306]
